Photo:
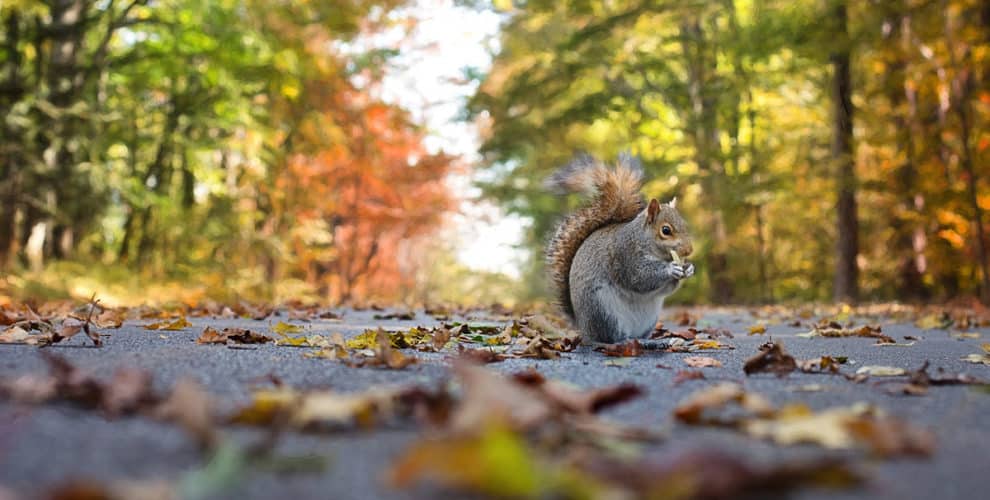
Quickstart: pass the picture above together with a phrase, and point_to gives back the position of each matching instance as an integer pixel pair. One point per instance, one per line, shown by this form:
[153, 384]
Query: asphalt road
[53, 443]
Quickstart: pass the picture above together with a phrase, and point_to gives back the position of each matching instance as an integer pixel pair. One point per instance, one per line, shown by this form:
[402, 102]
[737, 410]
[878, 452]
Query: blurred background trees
[233, 141]
[823, 149]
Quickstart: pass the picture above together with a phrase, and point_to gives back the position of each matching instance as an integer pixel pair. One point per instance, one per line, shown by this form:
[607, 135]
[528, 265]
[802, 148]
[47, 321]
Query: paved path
[46, 445]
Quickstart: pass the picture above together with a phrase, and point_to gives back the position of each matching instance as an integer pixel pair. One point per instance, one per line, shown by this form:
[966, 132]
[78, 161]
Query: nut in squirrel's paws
[680, 269]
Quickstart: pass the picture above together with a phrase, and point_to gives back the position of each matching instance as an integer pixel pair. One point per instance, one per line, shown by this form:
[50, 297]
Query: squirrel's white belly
[635, 314]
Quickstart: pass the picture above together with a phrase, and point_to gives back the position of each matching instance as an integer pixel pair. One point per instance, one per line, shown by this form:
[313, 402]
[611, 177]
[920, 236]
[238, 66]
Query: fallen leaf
[618, 363]
[404, 315]
[237, 335]
[128, 391]
[934, 321]
[190, 407]
[834, 330]
[18, 335]
[757, 329]
[211, 336]
[808, 388]
[708, 344]
[481, 355]
[856, 426]
[631, 348]
[825, 364]
[698, 407]
[317, 409]
[771, 359]
[968, 335]
[977, 358]
[702, 362]
[684, 375]
[881, 371]
[711, 474]
[497, 462]
[178, 324]
[283, 328]
[894, 344]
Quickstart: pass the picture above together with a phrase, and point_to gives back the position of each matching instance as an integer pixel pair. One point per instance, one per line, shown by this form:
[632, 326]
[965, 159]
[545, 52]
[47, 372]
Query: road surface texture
[52, 443]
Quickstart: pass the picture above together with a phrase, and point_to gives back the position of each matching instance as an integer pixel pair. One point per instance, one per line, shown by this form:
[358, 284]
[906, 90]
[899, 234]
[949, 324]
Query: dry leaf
[702, 362]
[211, 336]
[834, 330]
[708, 344]
[881, 371]
[843, 428]
[825, 364]
[190, 406]
[178, 324]
[712, 399]
[481, 355]
[771, 359]
[627, 349]
[282, 328]
[757, 329]
[684, 375]
[317, 409]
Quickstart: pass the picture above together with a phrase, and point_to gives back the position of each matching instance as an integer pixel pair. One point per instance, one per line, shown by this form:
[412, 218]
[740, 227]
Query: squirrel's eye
[666, 230]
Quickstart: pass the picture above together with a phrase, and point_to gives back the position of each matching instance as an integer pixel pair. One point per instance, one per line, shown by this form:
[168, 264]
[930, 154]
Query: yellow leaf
[283, 328]
[178, 324]
[757, 329]
[497, 463]
[706, 344]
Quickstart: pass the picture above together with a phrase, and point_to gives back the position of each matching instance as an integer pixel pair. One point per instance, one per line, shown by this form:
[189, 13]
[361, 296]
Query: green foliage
[728, 104]
[182, 138]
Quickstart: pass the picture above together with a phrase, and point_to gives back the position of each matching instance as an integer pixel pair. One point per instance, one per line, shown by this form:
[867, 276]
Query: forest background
[174, 149]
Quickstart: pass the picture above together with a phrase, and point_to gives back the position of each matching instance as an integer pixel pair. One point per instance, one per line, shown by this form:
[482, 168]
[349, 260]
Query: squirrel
[615, 260]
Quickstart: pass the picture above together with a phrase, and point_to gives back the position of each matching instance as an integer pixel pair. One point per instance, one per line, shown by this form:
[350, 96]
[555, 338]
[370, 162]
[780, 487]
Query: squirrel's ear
[673, 202]
[652, 211]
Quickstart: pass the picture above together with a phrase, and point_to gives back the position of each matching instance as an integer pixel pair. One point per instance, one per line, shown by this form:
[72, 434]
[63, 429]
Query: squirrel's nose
[685, 249]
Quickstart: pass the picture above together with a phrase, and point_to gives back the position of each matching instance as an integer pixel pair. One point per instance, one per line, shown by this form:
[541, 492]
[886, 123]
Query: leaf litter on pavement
[486, 418]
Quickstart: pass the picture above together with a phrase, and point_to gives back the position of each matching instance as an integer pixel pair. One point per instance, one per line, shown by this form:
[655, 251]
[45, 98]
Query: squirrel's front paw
[679, 270]
[688, 270]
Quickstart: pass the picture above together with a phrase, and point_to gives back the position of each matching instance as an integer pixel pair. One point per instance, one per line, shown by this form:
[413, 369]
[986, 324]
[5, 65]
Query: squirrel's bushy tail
[615, 199]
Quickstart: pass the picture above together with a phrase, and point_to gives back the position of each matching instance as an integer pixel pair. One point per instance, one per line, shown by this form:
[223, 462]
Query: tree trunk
[704, 123]
[846, 284]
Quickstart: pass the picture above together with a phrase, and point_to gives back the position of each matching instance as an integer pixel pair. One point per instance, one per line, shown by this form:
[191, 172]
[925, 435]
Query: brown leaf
[712, 399]
[489, 397]
[28, 389]
[190, 406]
[834, 330]
[128, 391]
[771, 359]
[825, 364]
[684, 318]
[245, 336]
[574, 400]
[630, 348]
[401, 315]
[211, 336]
[711, 474]
[684, 375]
[480, 355]
[688, 334]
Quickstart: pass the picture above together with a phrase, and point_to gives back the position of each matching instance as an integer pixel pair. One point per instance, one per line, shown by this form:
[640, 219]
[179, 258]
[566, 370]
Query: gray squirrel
[615, 260]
